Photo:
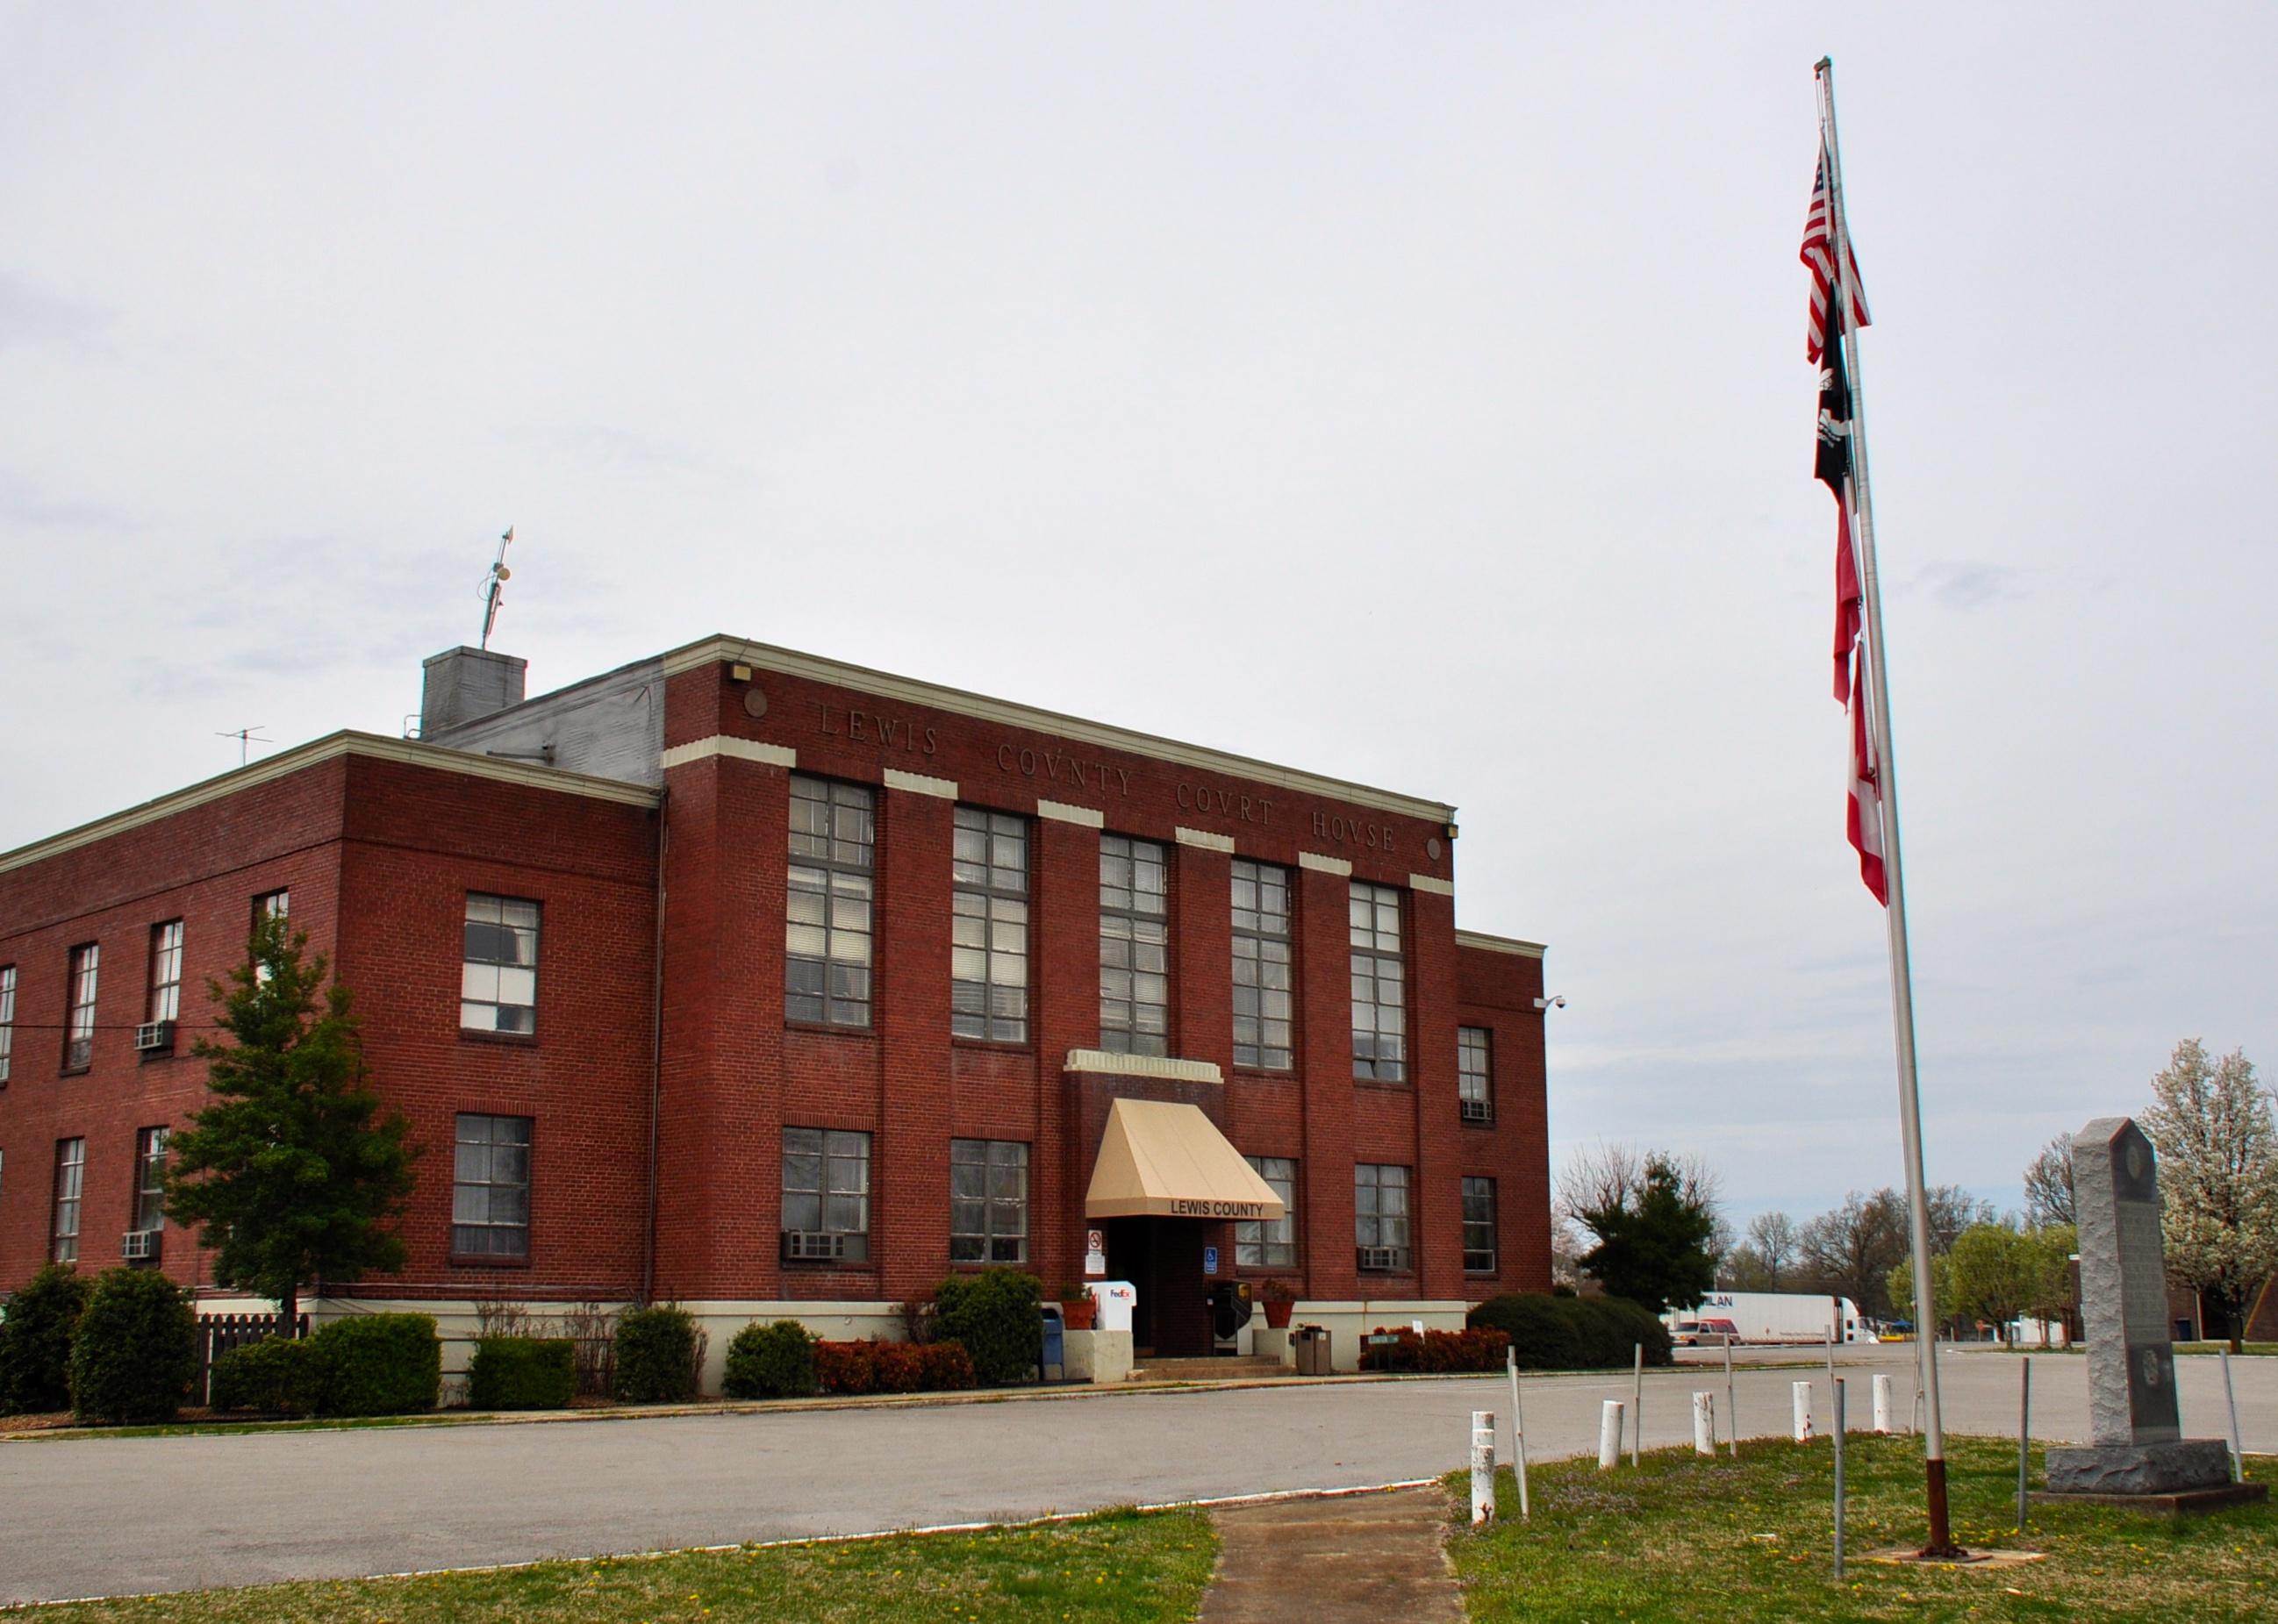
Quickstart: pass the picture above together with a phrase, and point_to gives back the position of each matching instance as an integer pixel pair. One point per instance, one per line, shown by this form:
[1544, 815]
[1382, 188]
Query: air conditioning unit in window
[812, 1246]
[1380, 1257]
[1478, 1111]
[140, 1246]
[154, 1035]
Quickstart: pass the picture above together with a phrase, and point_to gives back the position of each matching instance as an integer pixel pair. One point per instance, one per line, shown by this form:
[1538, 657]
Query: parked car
[1705, 1333]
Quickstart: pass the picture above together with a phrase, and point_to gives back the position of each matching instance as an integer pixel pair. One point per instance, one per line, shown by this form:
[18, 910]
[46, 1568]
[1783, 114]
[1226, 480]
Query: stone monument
[2137, 1453]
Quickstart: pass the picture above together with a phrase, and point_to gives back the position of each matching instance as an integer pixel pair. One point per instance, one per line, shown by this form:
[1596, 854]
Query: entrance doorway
[1163, 1260]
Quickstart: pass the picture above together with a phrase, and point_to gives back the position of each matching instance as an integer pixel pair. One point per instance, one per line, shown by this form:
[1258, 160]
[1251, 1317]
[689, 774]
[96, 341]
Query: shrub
[848, 1367]
[272, 1376]
[1439, 1351]
[770, 1362]
[35, 1342]
[656, 1356]
[945, 1366]
[522, 1373]
[1574, 1333]
[135, 1351]
[378, 1364]
[855, 1368]
[902, 1367]
[995, 1317]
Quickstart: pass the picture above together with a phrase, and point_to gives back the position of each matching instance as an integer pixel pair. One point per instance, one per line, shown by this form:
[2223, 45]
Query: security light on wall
[1558, 1003]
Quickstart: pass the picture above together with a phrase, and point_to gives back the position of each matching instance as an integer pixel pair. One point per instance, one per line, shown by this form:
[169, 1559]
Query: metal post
[1518, 1434]
[2231, 1398]
[1838, 1480]
[1637, 1414]
[1940, 1542]
[1731, 1402]
[1483, 1495]
[2024, 1432]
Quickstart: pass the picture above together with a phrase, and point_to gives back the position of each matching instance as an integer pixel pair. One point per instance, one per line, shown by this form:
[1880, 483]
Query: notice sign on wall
[1209, 1260]
[1095, 1252]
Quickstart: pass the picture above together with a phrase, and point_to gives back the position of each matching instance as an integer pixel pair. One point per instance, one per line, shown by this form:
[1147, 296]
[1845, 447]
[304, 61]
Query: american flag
[1818, 254]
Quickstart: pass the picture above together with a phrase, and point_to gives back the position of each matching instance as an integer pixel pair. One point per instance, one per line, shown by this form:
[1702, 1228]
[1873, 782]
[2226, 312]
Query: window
[826, 1194]
[498, 982]
[71, 1168]
[1261, 1245]
[1261, 966]
[989, 940]
[150, 1178]
[1478, 1226]
[988, 1201]
[827, 922]
[490, 1191]
[79, 1022]
[165, 1002]
[268, 905]
[1474, 1073]
[1381, 1217]
[7, 1017]
[1135, 969]
[1379, 1001]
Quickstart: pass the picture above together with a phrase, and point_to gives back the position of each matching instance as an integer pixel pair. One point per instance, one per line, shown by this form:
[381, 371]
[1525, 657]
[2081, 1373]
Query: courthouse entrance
[1165, 1186]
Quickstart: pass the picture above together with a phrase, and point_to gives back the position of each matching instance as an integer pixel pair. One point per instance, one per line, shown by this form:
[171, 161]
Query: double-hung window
[988, 1200]
[79, 1017]
[988, 938]
[498, 973]
[1478, 1226]
[828, 922]
[1135, 969]
[71, 1172]
[165, 1001]
[1260, 1243]
[826, 1195]
[1381, 1218]
[270, 905]
[1475, 1073]
[7, 1017]
[150, 1178]
[1262, 982]
[490, 1190]
[1379, 985]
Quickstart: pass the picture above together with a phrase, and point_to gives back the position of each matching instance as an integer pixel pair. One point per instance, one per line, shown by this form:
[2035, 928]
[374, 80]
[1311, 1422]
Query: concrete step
[1230, 1368]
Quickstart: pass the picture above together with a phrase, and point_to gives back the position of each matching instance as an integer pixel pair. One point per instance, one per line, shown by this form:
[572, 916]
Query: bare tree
[1852, 1250]
[1772, 1237]
[1951, 1210]
[2048, 1185]
[2210, 1123]
[1596, 1177]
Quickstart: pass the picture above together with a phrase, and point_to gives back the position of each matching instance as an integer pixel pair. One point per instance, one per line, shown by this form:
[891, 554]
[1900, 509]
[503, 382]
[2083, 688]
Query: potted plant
[1280, 1300]
[1076, 1307]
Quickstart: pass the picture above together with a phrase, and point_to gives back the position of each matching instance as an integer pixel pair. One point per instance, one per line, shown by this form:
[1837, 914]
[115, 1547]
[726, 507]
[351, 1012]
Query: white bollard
[1882, 1403]
[1482, 1467]
[1609, 1436]
[1802, 1391]
[1704, 1423]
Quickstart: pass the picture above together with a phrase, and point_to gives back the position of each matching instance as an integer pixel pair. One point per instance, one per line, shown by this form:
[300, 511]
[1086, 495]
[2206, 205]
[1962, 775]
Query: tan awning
[1167, 1160]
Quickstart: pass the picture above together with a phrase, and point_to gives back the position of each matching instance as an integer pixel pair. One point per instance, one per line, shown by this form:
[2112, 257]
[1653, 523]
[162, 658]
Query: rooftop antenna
[499, 575]
[246, 738]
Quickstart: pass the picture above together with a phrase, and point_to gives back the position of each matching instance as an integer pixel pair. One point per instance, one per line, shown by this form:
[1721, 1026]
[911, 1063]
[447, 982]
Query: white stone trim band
[1061, 812]
[1486, 944]
[1204, 840]
[1324, 864]
[1425, 882]
[734, 749]
[919, 784]
[1142, 1066]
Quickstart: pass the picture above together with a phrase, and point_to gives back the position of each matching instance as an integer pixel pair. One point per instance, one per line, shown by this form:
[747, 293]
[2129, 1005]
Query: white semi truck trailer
[1763, 1317]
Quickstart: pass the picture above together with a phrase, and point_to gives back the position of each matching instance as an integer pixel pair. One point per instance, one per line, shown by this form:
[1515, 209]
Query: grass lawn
[1117, 1567]
[1682, 1537]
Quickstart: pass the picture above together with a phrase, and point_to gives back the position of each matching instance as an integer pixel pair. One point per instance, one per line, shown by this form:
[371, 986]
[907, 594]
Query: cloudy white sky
[1416, 394]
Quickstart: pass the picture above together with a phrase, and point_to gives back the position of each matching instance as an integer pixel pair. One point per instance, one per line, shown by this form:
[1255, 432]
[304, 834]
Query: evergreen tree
[1653, 1245]
[290, 1166]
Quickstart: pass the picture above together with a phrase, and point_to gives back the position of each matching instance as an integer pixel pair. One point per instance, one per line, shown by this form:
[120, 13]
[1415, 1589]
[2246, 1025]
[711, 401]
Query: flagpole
[1879, 689]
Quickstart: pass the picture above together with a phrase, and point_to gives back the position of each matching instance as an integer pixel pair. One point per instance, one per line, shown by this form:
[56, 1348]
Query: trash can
[1055, 1346]
[1312, 1345]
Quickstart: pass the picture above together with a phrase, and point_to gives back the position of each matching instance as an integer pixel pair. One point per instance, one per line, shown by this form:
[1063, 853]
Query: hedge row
[1437, 1353]
[522, 1373]
[1575, 1333]
[376, 1364]
[892, 1367]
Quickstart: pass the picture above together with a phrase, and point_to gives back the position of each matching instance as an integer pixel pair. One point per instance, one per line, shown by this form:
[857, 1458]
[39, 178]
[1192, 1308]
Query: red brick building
[768, 984]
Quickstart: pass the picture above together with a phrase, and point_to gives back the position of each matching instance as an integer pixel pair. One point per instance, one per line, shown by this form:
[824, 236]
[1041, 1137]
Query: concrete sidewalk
[1352, 1559]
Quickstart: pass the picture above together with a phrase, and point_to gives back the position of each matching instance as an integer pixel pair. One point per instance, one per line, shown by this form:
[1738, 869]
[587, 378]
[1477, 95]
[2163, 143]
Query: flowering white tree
[2211, 1123]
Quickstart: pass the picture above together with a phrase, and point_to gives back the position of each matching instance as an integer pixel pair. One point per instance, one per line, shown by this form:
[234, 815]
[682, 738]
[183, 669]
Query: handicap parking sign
[1209, 1260]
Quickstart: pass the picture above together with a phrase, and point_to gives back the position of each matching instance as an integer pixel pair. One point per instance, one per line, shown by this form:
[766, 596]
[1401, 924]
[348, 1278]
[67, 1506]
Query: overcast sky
[1413, 394]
